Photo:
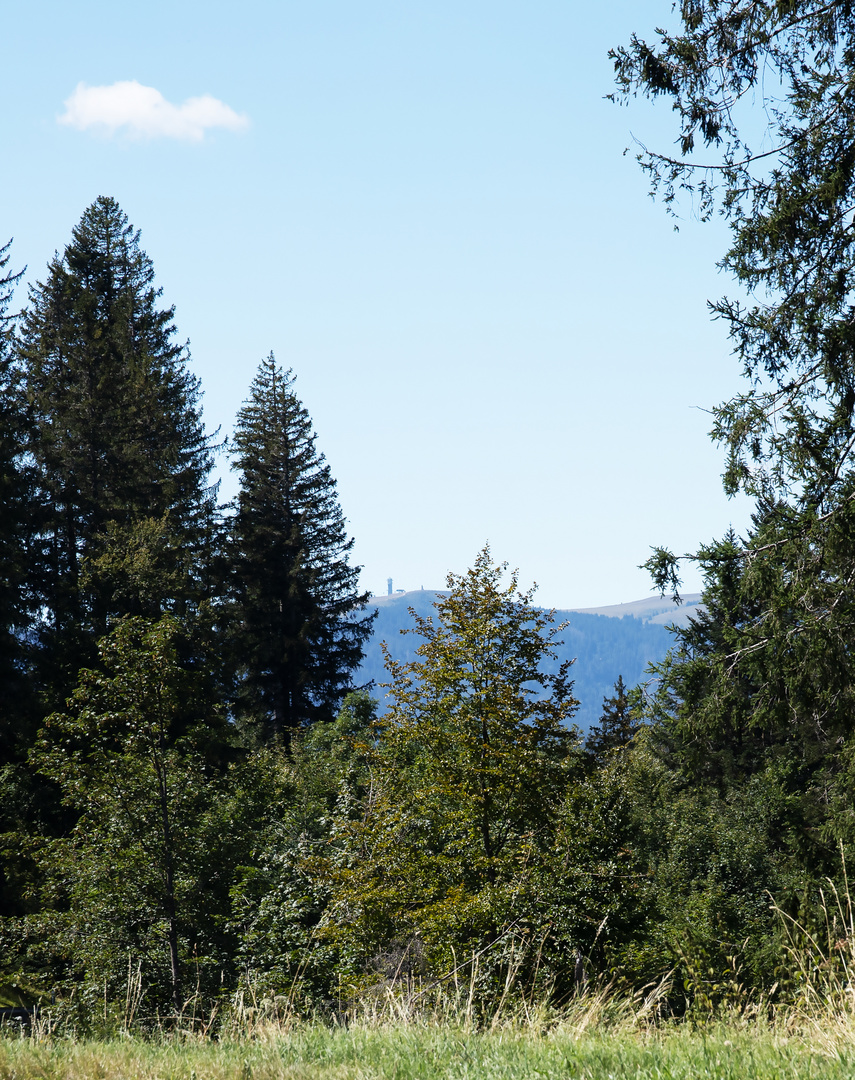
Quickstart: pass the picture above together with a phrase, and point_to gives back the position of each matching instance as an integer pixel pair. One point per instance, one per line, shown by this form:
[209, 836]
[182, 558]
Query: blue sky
[425, 211]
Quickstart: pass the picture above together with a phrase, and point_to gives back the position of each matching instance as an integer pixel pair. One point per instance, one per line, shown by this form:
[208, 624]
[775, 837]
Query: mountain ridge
[605, 642]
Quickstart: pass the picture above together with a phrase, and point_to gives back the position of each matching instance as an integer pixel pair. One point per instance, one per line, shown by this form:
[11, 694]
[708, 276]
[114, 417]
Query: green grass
[430, 1053]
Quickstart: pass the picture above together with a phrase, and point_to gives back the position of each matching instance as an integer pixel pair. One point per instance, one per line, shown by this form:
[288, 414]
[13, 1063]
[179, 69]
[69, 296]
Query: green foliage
[594, 891]
[759, 689]
[466, 780]
[140, 756]
[302, 805]
[712, 869]
[618, 724]
[117, 444]
[298, 619]
[760, 683]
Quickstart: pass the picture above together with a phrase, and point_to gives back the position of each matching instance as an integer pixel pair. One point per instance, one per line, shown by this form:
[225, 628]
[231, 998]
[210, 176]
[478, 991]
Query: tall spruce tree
[19, 714]
[15, 608]
[121, 457]
[300, 622]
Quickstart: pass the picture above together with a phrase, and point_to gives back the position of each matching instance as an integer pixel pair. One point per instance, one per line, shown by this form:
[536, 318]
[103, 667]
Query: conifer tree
[617, 726]
[121, 457]
[298, 609]
[18, 708]
[15, 611]
[763, 682]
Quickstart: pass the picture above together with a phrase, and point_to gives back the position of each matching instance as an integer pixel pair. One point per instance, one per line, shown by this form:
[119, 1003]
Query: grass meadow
[393, 1033]
[409, 1052]
[597, 1037]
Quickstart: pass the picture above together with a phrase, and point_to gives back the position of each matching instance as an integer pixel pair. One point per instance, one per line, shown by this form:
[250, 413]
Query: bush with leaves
[713, 872]
[304, 802]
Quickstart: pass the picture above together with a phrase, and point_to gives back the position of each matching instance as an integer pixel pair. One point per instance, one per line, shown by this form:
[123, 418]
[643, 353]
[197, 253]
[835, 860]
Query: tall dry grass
[418, 1029]
[823, 1006]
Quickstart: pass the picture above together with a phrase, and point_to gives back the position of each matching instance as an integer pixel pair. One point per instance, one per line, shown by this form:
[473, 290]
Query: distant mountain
[619, 639]
[652, 609]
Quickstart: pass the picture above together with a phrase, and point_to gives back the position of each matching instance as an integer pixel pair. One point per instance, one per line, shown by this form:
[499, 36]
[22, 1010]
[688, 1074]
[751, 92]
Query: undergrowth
[411, 1030]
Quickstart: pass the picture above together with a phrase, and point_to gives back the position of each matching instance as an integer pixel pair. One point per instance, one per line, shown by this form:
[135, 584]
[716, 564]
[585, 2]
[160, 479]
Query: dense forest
[198, 798]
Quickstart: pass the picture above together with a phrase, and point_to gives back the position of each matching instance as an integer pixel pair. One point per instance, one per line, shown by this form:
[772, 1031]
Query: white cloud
[144, 112]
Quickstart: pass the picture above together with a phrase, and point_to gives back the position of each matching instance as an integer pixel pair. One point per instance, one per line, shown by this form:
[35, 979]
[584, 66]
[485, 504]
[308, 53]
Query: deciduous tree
[143, 877]
[471, 763]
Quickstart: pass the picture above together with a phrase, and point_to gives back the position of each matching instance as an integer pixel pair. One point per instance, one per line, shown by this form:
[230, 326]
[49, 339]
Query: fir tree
[15, 610]
[18, 707]
[121, 457]
[762, 685]
[617, 727]
[298, 608]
